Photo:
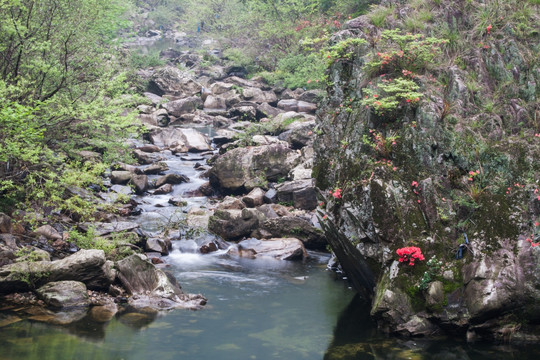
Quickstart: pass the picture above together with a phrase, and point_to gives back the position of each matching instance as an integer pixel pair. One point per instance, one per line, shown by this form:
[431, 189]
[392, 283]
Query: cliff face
[433, 141]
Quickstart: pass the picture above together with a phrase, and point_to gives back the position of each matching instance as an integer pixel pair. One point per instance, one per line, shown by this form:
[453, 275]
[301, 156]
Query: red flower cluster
[337, 193]
[409, 254]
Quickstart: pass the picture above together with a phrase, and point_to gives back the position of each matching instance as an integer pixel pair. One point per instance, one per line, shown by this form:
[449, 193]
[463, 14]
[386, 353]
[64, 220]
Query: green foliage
[298, 71]
[387, 97]
[63, 91]
[343, 49]
[142, 61]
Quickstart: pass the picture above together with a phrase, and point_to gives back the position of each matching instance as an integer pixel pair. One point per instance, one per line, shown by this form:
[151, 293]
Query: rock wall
[440, 173]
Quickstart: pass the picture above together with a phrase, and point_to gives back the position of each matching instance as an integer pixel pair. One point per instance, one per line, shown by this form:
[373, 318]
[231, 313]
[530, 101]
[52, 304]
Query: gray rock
[312, 96]
[163, 189]
[291, 226]
[62, 294]
[5, 223]
[48, 232]
[270, 196]
[281, 249]
[268, 110]
[145, 158]
[153, 287]
[157, 245]
[171, 80]
[243, 112]
[183, 106]
[305, 107]
[121, 189]
[120, 177]
[288, 105]
[171, 179]
[300, 193]
[180, 139]
[254, 198]
[215, 102]
[231, 203]
[234, 224]
[156, 168]
[244, 169]
[140, 183]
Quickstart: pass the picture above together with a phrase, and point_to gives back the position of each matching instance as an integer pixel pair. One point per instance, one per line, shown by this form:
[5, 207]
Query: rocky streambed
[225, 166]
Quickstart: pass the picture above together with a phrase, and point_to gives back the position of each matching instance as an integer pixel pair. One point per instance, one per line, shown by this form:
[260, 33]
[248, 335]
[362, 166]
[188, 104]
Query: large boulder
[258, 96]
[87, 266]
[292, 226]
[282, 249]
[234, 224]
[183, 106]
[153, 287]
[300, 193]
[180, 139]
[60, 294]
[171, 80]
[243, 169]
[171, 179]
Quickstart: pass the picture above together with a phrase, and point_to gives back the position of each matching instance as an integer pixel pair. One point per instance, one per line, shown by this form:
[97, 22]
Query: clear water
[257, 309]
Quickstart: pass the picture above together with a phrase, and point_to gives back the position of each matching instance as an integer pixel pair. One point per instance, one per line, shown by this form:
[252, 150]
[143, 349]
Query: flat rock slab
[282, 249]
[102, 228]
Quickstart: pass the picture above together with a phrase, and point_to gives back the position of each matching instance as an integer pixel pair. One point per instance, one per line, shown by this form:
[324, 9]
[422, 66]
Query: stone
[300, 136]
[270, 196]
[61, 294]
[5, 223]
[87, 266]
[157, 245]
[258, 96]
[300, 193]
[155, 169]
[435, 294]
[120, 177]
[312, 96]
[103, 313]
[144, 157]
[183, 106]
[180, 139]
[171, 179]
[231, 203]
[288, 105]
[153, 287]
[267, 110]
[215, 102]
[291, 226]
[281, 249]
[234, 224]
[121, 189]
[48, 232]
[140, 183]
[171, 80]
[243, 169]
[219, 88]
[163, 189]
[254, 198]
[243, 112]
[306, 107]
[106, 228]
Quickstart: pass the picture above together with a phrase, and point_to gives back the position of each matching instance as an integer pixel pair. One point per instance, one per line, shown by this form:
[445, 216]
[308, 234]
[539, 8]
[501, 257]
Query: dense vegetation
[62, 92]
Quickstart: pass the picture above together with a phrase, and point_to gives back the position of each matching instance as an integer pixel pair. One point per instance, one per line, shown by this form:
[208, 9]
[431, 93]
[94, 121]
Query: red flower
[337, 193]
[414, 184]
[410, 254]
[488, 28]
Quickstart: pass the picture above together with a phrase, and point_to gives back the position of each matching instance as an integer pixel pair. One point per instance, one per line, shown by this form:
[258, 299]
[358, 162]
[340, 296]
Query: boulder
[180, 139]
[243, 169]
[157, 245]
[156, 168]
[231, 203]
[254, 198]
[215, 102]
[48, 232]
[163, 189]
[140, 183]
[120, 177]
[292, 226]
[267, 110]
[281, 249]
[258, 96]
[87, 266]
[300, 193]
[243, 112]
[171, 80]
[144, 157]
[288, 105]
[153, 287]
[107, 228]
[306, 107]
[299, 136]
[219, 88]
[312, 96]
[171, 179]
[183, 106]
[234, 224]
[60, 294]
[5, 223]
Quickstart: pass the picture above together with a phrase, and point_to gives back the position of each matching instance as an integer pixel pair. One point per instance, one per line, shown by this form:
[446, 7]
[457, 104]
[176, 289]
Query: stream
[257, 308]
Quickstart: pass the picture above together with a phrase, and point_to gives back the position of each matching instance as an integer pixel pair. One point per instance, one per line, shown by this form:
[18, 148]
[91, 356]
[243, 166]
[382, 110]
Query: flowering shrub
[410, 254]
[337, 193]
[343, 49]
[383, 145]
[388, 95]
